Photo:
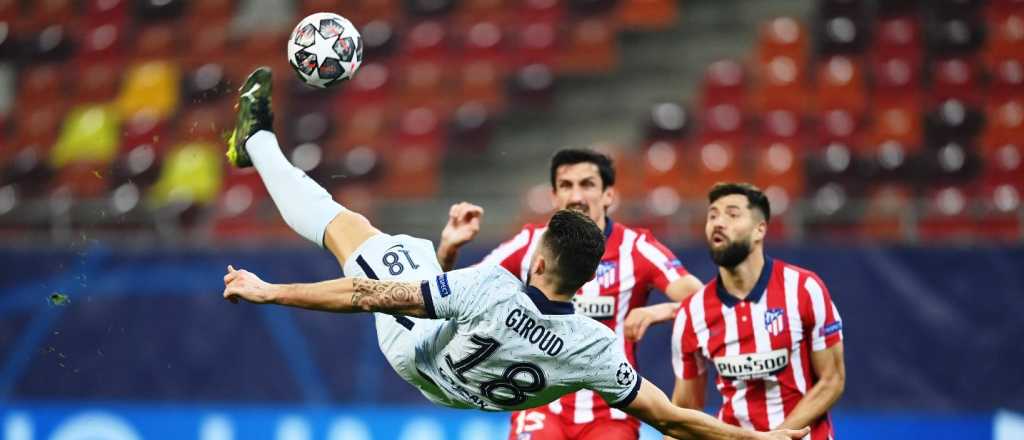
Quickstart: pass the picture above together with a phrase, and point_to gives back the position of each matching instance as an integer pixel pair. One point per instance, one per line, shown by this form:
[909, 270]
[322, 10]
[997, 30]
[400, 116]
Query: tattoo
[388, 297]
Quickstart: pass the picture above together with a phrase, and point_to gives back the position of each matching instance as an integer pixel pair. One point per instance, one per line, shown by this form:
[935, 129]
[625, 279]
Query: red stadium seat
[647, 14]
[365, 125]
[474, 11]
[547, 11]
[536, 43]
[1005, 37]
[715, 162]
[422, 127]
[663, 166]
[104, 40]
[839, 125]
[592, 47]
[427, 41]
[841, 85]
[956, 78]
[781, 85]
[1004, 161]
[782, 37]
[947, 216]
[888, 213]
[482, 82]
[40, 84]
[410, 172]
[1005, 122]
[724, 121]
[97, 82]
[373, 86]
[85, 180]
[156, 42]
[902, 124]
[485, 41]
[724, 82]
[897, 81]
[1008, 78]
[424, 83]
[237, 208]
[780, 125]
[105, 11]
[779, 166]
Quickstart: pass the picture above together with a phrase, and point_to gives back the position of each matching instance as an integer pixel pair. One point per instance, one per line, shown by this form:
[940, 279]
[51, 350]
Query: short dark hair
[571, 156]
[576, 244]
[754, 195]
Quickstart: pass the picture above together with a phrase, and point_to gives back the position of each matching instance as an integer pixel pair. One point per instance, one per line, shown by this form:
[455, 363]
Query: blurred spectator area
[890, 120]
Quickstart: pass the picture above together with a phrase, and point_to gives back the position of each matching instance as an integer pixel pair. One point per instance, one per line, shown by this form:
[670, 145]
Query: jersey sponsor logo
[625, 375]
[673, 264]
[774, 322]
[606, 273]
[527, 328]
[442, 285]
[752, 365]
[596, 307]
[832, 328]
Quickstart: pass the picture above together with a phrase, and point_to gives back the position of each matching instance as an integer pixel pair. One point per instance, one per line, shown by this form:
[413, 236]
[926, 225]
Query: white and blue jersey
[492, 343]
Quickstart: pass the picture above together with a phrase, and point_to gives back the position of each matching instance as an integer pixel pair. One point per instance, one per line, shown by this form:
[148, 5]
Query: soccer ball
[325, 49]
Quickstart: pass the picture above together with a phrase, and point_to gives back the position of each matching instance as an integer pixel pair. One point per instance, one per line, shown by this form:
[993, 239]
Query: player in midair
[473, 338]
[634, 263]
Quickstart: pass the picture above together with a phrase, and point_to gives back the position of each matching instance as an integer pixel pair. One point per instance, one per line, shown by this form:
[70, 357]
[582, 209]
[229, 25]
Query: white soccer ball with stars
[325, 49]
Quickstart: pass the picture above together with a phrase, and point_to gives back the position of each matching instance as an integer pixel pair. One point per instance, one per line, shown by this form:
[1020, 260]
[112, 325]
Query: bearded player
[768, 327]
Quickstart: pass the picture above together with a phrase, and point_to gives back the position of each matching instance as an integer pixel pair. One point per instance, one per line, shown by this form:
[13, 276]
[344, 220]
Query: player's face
[579, 187]
[732, 230]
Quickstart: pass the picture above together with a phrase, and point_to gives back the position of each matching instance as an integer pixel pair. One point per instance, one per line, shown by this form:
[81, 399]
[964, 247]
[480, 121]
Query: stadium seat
[90, 133]
[41, 83]
[424, 83]
[481, 82]
[953, 163]
[888, 213]
[724, 82]
[38, 126]
[533, 85]
[82, 180]
[51, 42]
[956, 78]
[213, 11]
[1004, 161]
[648, 15]
[781, 85]
[206, 122]
[192, 173]
[138, 165]
[1006, 36]
[953, 119]
[427, 40]
[474, 11]
[428, 8]
[902, 124]
[103, 41]
[422, 127]
[778, 166]
[831, 215]
[484, 41]
[366, 125]
[780, 125]
[839, 125]
[724, 121]
[663, 165]
[832, 162]
[471, 127]
[841, 85]
[151, 87]
[310, 124]
[592, 47]
[1005, 122]
[897, 80]
[238, 205]
[206, 83]
[536, 43]
[841, 33]
[889, 161]
[379, 40]
[782, 37]
[548, 11]
[371, 87]
[715, 162]
[365, 11]
[156, 42]
[410, 172]
[97, 82]
[955, 34]
[158, 10]
[1008, 78]
[668, 120]
[947, 216]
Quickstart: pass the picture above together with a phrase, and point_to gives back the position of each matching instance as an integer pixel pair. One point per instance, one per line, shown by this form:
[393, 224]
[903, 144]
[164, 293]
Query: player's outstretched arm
[343, 295]
[652, 406]
[463, 225]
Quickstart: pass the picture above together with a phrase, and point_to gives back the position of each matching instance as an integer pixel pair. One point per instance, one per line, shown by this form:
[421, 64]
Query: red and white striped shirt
[633, 263]
[760, 345]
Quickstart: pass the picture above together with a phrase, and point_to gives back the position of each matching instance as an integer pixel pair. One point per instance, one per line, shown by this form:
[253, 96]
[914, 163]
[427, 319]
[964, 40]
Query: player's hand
[641, 318]
[786, 434]
[246, 285]
[463, 224]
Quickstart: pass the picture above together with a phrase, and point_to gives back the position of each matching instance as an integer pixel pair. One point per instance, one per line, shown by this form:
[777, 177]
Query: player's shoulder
[803, 272]
[697, 297]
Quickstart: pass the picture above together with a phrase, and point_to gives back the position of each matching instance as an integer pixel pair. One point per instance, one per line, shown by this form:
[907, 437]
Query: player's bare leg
[305, 205]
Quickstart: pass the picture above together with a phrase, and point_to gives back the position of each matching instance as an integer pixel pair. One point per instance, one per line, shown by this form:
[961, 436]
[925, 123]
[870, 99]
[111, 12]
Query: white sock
[305, 205]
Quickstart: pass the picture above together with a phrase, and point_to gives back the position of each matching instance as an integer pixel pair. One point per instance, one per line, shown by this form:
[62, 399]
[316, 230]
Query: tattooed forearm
[387, 297]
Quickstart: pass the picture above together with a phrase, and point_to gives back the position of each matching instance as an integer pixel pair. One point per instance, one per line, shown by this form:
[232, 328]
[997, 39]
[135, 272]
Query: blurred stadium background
[887, 134]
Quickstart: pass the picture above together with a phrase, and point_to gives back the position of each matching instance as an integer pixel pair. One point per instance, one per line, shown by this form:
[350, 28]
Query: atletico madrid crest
[773, 321]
